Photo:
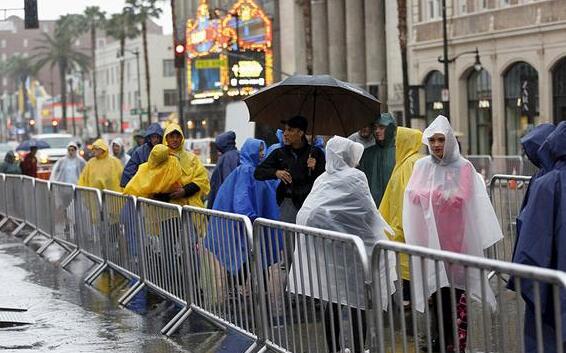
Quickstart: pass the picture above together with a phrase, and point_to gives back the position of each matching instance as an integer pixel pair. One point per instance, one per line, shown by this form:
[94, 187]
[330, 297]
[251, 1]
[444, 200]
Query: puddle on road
[72, 317]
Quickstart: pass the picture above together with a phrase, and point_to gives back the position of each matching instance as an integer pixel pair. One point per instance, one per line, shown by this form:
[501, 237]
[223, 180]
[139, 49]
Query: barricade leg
[30, 237]
[94, 274]
[174, 324]
[3, 221]
[18, 229]
[70, 258]
[132, 292]
[45, 246]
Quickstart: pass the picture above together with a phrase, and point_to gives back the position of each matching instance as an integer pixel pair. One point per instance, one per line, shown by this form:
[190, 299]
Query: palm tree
[95, 19]
[402, 26]
[121, 27]
[57, 50]
[19, 69]
[143, 10]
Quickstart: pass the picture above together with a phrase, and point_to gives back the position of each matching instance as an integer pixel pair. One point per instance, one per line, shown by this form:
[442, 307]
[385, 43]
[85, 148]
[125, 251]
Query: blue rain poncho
[140, 154]
[241, 193]
[275, 146]
[542, 239]
[228, 161]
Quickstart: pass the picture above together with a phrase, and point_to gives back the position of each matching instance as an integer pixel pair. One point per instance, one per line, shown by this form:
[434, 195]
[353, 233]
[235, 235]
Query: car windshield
[57, 142]
[4, 147]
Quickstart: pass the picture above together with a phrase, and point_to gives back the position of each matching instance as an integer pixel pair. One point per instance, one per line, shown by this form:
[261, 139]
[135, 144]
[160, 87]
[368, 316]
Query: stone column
[355, 42]
[376, 66]
[337, 38]
[319, 36]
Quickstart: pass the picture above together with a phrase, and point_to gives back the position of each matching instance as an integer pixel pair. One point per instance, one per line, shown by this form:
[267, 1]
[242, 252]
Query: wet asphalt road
[68, 316]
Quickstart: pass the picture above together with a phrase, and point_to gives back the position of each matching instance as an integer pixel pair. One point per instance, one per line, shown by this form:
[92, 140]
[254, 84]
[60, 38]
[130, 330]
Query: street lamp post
[139, 106]
[445, 60]
[72, 106]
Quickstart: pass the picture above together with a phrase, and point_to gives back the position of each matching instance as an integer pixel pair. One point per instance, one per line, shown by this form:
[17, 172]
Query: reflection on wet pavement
[72, 317]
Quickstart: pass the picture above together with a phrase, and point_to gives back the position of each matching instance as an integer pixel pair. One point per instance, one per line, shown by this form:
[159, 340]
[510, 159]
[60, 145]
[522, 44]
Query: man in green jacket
[378, 160]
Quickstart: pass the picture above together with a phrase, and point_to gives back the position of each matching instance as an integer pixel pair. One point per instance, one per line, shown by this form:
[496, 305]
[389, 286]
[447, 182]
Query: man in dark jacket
[228, 161]
[29, 164]
[296, 164]
[139, 140]
[153, 136]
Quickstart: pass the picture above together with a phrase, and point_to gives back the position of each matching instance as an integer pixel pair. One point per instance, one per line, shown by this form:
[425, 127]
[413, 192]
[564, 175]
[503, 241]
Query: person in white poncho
[340, 201]
[69, 168]
[119, 152]
[446, 207]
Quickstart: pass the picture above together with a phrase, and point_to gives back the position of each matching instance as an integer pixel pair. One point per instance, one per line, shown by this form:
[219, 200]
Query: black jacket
[295, 162]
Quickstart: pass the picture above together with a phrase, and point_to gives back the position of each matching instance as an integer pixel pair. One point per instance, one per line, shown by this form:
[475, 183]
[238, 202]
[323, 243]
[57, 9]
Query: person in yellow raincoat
[159, 176]
[194, 181]
[408, 144]
[103, 171]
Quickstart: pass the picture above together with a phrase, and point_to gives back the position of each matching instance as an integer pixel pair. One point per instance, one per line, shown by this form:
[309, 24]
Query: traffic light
[179, 55]
[30, 9]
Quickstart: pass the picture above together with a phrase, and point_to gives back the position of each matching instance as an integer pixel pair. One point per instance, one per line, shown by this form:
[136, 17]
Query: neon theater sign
[231, 55]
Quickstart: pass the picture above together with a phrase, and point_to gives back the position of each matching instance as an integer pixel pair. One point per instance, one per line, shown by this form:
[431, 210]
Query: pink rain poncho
[446, 207]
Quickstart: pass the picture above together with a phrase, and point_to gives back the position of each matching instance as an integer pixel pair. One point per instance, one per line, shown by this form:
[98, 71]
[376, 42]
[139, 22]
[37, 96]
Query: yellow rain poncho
[160, 174]
[102, 172]
[193, 171]
[408, 144]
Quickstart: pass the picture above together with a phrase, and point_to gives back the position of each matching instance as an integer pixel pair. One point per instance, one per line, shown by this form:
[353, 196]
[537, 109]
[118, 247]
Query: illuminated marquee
[229, 56]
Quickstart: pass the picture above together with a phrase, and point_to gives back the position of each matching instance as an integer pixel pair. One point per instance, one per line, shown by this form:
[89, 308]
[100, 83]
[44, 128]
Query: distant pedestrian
[103, 171]
[542, 243]
[153, 136]
[29, 164]
[227, 162]
[69, 168]
[139, 140]
[339, 201]
[446, 207]
[10, 165]
[365, 136]
[119, 152]
[378, 160]
[279, 144]
[194, 181]
[408, 143]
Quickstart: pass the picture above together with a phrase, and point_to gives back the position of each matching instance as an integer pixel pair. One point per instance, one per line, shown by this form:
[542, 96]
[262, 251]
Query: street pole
[72, 106]
[179, 70]
[445, 62]
[137, 54]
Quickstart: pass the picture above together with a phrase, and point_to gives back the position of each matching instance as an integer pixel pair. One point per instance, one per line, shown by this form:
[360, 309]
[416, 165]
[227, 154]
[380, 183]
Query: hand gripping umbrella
[332, 107]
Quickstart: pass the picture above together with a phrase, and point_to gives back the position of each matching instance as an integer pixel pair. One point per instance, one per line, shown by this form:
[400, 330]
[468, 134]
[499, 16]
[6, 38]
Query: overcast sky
[52, 9]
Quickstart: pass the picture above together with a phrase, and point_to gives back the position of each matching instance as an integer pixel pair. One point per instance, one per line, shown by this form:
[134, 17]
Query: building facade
[522, 81]
[163, 81]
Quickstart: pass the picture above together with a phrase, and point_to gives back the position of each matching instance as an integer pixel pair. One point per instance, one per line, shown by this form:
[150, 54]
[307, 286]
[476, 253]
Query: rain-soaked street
[65, 315]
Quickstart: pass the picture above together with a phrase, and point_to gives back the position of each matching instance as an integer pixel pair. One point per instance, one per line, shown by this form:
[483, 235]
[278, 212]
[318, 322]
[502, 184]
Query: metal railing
[62, 202]
[295, 289]
[14, 200]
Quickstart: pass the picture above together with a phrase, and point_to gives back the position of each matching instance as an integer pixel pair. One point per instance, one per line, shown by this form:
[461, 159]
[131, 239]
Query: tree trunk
[122, 63]
[94, 92]
[62, 72]
[307, 16]
[402, 26]
[147, 83]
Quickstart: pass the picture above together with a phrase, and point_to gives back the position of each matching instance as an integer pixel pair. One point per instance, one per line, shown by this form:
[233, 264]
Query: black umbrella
[330, 105]
[28, 144]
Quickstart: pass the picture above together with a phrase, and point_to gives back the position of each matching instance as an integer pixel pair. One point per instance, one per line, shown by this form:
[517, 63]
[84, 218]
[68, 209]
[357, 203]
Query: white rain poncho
[68, 169]
[123, 156]
[446, 207]
[340, 201]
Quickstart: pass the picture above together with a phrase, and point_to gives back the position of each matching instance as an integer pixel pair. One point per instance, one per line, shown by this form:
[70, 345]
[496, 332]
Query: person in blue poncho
[318, 142]
[228, 161]
[153, 136]
[279, 134]
[241, 193]
[542, 239]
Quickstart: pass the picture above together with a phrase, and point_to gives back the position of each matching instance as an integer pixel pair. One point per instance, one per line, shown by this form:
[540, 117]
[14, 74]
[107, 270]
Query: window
[113, 102]
[25, 43]
[433, 9]
[128, 72]
[3, 43]
[169, 97]
[482, 4]
[168, 68]
[129, 99]
[463, 7]
[4, 81]
[3, 56]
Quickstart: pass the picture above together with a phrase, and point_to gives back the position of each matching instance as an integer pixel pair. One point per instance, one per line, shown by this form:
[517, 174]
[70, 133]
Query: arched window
[480, 125]
[521, 103]
[434, 83]
[559, 91]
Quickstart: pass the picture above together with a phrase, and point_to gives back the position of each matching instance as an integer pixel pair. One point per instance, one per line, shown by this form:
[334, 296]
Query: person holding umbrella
[29, 164]
[296, 164]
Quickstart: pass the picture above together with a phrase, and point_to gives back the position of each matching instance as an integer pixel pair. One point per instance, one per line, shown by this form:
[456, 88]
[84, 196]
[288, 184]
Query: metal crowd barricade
[507, 193]
[165, 268]
[209, 168]
[43, 211]
[3, 201]
[529, 169]
[220, 258]
[62, 203]
[14, 199]
[483, 315]
[90, 228]
[28, 195]
[482, 164]
[122, 238]
[510, 165]
[311, 286]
